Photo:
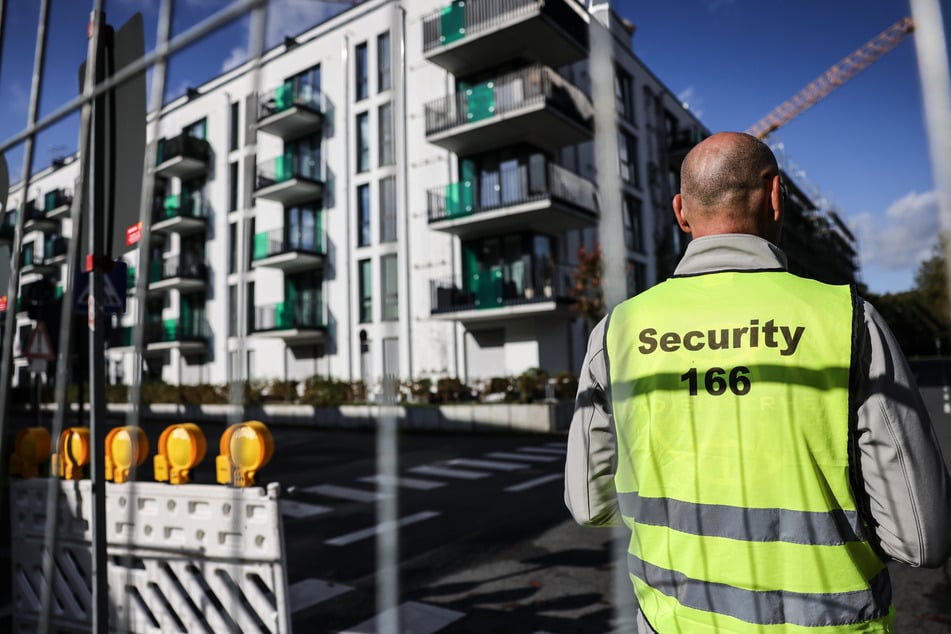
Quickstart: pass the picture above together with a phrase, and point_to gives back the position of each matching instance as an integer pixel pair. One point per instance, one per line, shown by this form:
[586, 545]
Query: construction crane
[833, 78]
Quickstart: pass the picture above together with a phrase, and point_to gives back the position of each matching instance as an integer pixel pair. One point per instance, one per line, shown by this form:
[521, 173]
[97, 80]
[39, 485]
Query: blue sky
[731, 61]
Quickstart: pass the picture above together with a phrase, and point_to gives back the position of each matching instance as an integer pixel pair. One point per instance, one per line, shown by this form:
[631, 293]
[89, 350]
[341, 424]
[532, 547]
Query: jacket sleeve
[901, 466]
[591, 460]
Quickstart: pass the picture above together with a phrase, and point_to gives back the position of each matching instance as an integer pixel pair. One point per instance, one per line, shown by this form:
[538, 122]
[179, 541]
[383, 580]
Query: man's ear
[678, 205]
[778, 198]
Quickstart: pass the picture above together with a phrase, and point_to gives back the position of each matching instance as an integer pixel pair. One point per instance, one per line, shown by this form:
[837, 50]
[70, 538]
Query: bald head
[730, 184]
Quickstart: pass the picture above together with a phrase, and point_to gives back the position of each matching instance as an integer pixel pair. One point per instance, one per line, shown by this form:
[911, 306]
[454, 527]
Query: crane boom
[833, 78]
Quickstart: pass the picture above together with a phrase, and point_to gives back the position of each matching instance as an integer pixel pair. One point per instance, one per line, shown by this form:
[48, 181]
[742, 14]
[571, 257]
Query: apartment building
[401, 189]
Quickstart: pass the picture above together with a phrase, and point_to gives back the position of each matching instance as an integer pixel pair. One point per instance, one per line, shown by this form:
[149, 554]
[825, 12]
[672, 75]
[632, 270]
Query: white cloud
[237, 56]
[903, 237]
[691, 102]
[290, 17]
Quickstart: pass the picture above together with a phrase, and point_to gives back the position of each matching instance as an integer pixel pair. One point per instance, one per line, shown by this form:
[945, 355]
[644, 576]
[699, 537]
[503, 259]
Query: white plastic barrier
[191, 558]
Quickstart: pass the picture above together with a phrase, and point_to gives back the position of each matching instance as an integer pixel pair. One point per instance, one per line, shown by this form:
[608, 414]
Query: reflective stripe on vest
[730, 394]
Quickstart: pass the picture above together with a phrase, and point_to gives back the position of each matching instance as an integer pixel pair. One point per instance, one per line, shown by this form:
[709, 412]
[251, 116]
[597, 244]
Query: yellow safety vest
[730, 394]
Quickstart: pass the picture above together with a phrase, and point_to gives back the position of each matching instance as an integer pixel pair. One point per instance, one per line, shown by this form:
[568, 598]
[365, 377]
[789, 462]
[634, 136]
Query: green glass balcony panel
[284, 97]
[488, 289]
[260, 245]
[170, 206]
[130, 277]
[452, 22]
[284, 316]
[170, 329]
[283, 168]
[480, 101]
[155, 271]
[58, 293]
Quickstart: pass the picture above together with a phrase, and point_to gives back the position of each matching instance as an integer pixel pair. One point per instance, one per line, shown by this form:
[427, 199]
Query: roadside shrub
[499, 388]
[322, 392]
[566, 386]
[451, 390]
[421, 390]
[531, 384]
[279, 391]
[202, 394]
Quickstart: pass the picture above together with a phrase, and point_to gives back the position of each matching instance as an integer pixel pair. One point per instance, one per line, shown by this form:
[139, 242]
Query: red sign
[133, 234]
[3, 303]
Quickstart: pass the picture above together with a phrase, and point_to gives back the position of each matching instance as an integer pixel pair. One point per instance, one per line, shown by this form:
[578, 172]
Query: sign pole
[99, 158]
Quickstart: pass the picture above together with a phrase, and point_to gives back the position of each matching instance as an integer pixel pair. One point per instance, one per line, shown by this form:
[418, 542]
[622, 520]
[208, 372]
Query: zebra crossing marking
[504, 455]
[309, 592]
[444, 472]
[366, 533]
[297, 509]
[409, 483]
[415, 617]
[344, 493]
[531, 484]
[544, 450]
[488, 464]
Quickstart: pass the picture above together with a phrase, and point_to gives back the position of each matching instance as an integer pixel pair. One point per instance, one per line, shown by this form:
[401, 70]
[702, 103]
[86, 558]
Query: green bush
[566, 386]
[279, 391]
[322, 392]
[531, 385]
[421, 389]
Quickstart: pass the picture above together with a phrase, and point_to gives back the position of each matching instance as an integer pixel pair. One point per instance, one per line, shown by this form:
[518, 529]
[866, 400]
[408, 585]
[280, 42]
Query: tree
[586, 288]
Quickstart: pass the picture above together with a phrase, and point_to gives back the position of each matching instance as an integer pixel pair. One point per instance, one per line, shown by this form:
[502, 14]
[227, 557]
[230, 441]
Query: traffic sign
[115, 287]
[39, 346]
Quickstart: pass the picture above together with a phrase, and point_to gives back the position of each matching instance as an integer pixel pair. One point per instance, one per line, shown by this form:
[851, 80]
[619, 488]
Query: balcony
[289, 181]
[681, 142]
[57, 204]
[499, 295]
[466, 37]
[188, 336]
[540, 196]
[183, 156]
[175, 274]
[36, 264]
[121, 337]
[274, 249]
[534, 105]
[294, 323]
[183, 213]
[37, 220]
[290, 112]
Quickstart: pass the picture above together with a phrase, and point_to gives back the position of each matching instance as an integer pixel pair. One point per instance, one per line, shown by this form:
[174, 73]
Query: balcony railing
[285, 316]
[508, 187]
[185, 205]
[511, 92]
[55, 248]
[287, 167]
[465, 19]
[274, 242]
[511, 285]
[177, 330]
[286, 96]
[177, 268]
[183, 146]
[56, 199]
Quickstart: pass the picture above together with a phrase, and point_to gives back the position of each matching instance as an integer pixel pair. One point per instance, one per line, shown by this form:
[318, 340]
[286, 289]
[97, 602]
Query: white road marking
[530, 484]
[548, 451]
[442, 472]
[409, 483]
[302, 509]
[309, 592]
[521, 456]
[344, 493]
[415, 617]
[366, 533]
[488, 464]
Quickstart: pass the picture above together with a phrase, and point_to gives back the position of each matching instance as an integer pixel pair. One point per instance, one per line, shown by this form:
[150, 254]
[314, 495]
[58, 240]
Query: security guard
[759, 433]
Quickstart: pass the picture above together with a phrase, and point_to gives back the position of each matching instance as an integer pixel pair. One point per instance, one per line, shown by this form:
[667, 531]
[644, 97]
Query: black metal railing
[172, 330]
[458, 20]
[177, 267]
[507, 187]
[56, 199]
[184, 205]
[286, 96]
[287, 167]
[287, 316]
[507, 93]
[183, 145]
[509, 285]
[275, 242]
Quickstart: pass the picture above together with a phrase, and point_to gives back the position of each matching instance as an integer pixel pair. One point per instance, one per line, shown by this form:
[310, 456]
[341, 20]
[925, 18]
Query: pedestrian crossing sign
[114, 287]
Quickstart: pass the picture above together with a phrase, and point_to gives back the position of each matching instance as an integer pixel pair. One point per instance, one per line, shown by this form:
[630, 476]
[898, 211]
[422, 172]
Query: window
[390, 290]
[366, 292]
[234, 127]
[388, 209]
[623, 95]
[383, 73]
[360, 66]
[627, 158]
[306, 157]
[233, 186]
[363, 215]
[248, 242]
[636, 277]
[302, 229]
[233, 310]
[252, 326]
[633, 224]
[385, 131]
[363, 142]
[307, 87]
[232, 247]
[197, 129]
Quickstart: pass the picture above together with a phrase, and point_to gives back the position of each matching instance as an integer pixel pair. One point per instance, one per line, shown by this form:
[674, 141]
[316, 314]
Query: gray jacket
[902, 469]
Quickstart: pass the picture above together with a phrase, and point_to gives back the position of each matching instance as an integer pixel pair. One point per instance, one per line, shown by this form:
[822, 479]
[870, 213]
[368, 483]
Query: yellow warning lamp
[180, 448]
[245, 448]
[31, 448]
[126, 448]
[73, 453]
